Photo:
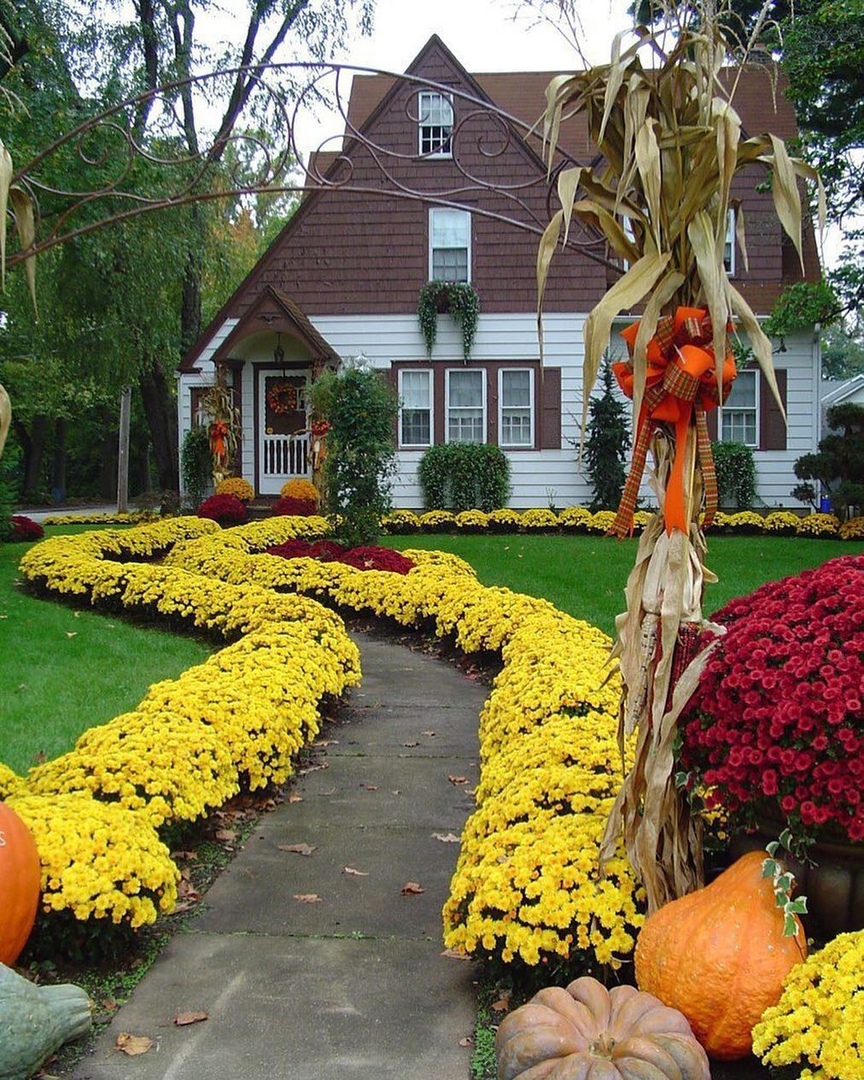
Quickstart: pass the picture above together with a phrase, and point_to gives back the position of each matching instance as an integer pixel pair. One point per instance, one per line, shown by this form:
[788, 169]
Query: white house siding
[538, 477]
[775, 477]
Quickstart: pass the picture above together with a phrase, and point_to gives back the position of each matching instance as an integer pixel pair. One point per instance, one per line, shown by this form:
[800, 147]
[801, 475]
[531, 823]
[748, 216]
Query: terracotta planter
[833, 884]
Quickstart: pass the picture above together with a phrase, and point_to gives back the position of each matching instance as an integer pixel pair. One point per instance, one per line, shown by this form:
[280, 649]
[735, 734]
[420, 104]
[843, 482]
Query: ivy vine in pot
[457, 298]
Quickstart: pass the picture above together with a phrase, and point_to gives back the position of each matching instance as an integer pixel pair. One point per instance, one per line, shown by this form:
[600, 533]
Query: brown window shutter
[772, 426]
[550, 409]
[711, 418]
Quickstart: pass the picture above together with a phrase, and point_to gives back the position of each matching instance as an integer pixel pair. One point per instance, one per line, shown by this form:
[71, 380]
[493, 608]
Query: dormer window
[435, 124]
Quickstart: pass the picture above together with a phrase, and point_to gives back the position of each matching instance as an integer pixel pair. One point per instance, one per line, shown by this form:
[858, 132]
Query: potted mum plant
[774, 735]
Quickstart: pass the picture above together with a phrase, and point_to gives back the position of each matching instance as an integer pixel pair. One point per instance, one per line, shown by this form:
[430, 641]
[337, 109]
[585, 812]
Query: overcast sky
[483, 34]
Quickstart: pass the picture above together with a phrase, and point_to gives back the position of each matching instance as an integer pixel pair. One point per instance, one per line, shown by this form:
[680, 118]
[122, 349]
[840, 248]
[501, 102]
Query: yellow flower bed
[240, 716]
[818, 1021]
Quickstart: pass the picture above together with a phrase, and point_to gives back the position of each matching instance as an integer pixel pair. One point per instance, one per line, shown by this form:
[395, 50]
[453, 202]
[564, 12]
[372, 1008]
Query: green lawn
[585, 575]
[64, 670]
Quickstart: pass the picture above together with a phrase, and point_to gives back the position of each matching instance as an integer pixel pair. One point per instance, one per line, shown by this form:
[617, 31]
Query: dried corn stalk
[671, 143]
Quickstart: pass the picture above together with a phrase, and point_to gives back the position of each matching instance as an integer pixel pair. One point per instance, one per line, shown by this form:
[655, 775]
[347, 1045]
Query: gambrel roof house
[436, 178]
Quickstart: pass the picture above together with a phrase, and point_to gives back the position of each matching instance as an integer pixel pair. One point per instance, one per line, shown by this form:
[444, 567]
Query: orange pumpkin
[20, 882]
[719, 955]
[587, 1032]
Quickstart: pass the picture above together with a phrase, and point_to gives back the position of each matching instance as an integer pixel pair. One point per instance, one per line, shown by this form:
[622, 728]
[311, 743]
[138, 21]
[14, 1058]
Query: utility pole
[123, 452]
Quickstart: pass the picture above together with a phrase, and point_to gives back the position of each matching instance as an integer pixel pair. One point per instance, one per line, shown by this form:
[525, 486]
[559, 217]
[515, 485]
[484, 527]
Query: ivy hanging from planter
[457, 298]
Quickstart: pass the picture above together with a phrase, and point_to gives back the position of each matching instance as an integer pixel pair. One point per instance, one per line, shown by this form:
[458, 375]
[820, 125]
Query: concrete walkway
[329, 965]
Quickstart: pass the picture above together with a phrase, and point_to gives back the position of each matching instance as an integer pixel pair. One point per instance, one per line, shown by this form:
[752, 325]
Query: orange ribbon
[218, 431]
[680, 384]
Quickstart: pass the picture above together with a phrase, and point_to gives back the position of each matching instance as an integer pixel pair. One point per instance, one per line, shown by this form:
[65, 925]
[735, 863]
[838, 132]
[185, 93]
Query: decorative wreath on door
[282, 398]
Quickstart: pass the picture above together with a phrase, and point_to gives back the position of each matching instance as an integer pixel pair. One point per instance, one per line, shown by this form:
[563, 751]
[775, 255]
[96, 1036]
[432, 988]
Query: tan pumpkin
[719, 955]
[20, 882]
[587, 1032]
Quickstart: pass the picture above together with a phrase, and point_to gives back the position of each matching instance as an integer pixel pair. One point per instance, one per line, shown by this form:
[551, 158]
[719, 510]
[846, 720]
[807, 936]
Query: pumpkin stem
[603, 1046]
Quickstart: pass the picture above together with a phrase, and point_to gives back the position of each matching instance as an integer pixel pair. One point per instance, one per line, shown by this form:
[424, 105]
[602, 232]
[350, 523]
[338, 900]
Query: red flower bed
[25, 528]
[362, 558]
[777, 719]
[226, 509]
[290, 506]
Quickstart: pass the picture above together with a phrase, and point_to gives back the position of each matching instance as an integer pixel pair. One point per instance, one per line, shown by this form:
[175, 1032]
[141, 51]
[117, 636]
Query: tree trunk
[33, 445]
[161, 412]
[58, 466]
[108, 457]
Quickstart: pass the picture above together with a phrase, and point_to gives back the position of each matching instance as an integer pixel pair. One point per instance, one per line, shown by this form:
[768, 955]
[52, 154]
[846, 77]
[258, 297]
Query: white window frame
[438, 212]
[430, 383]
[729, 257]
[482, 374]
[529, 444]
[726, 410]
[430, 135]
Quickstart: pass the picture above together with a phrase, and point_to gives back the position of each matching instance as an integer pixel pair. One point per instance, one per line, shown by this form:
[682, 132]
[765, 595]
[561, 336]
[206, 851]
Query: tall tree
[166, 42]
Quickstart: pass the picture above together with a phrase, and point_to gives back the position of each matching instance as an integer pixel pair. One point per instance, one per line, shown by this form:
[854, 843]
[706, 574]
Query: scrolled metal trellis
[111, 142]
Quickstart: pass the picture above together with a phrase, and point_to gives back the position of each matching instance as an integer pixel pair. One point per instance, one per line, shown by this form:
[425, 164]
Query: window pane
[515, 388]
[465, 418]
[466, 389]
[415, 389]
[449, 244]
[739, 414]
[415, 427]
[436, 123]
[450, 228]
[415, 392]
[516, 408]
[450, 264]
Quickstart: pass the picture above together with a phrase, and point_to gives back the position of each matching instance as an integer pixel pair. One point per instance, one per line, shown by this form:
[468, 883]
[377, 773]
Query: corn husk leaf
[5, 181]
[629, 290]
[25, 225]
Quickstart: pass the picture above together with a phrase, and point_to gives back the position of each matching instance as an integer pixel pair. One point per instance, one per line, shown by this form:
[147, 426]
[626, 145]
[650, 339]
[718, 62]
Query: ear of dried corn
[670, 145]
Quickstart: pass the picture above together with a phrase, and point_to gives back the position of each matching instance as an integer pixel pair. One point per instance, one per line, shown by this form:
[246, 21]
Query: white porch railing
[286, 455]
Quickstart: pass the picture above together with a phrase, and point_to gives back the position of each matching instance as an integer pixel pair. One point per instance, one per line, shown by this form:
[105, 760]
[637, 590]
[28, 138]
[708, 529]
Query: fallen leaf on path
[295, 798]
[133, 1044]
[410, 743]
[431, 734]
[502, 1004]
[186, 1018]
[457, 779]
[313, 768]
[356, 873]
[412, 888]
[109, 1004]
[297, 849]
[466, 1041]
[455, 954]
[307, 898]
[226, 835]
[446, 838]
[370, 787]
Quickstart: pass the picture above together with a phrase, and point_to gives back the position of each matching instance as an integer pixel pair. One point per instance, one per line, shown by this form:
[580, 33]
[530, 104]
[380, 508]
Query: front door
[284, 436]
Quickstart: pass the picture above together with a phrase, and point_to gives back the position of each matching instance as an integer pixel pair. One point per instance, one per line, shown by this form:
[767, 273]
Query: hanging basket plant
[459, 299]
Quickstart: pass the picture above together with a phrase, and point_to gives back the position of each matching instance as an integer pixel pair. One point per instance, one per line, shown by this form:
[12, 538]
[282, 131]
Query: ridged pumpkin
[587, 1031]
[719, 955]
[20, 882]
